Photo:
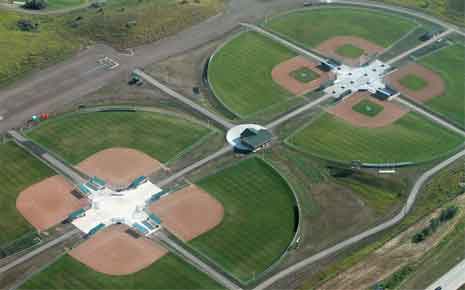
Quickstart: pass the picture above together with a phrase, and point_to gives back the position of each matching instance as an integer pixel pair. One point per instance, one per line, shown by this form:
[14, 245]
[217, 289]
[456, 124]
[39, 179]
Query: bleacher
[157, 196]
[138, 181]
[140, 228]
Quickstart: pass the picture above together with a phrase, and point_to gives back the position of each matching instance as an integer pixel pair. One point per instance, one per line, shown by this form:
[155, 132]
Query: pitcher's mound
[112, 251]
[49, 202]
[119, 166]
[188, 213]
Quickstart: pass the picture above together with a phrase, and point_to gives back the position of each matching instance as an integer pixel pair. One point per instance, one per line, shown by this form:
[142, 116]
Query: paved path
[57, 165]
[424, 44]
[452, 280]
[296, 112]
[357, 238]
[202, 110]
[283, 41]
[180, 251]
[195, 165]
[39, 250]
[429, 115]
[14, 7]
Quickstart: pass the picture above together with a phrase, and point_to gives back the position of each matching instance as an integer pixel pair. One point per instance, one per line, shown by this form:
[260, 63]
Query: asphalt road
[452, 280]
[357, 238]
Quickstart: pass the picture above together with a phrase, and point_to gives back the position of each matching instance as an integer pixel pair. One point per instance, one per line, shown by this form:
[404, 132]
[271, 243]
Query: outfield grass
[77, 136]
[413, 82]
[367, 108]
[18, 170]
[240, 73]
[349, 51]
[259, 221]
[23, 51]
[411, 138]
[304, 75]
[450, 64]
[311, 27]
[167, 273]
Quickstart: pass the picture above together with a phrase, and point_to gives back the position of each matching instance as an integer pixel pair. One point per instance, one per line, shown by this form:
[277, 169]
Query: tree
[35, 4]
[26, 25]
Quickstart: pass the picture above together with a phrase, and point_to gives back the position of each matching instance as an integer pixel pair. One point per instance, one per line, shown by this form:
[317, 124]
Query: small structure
[255, 139]
[249, 137]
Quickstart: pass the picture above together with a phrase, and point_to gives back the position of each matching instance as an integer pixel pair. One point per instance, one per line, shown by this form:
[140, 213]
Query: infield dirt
[281, 74]
[330, 46]
[435, 84]
[390, 113]
[189, 212]
[114, 252]
[119, 166]
[48, 202]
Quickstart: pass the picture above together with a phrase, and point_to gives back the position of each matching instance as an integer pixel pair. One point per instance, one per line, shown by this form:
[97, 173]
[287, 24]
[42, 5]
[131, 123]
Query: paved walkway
[57, 165]
[429, 115]
[452, 280]
[202, 110]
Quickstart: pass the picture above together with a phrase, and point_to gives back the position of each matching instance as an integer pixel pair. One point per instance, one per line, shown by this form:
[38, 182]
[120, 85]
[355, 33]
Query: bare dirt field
[119, 166]
[330, 46]
[49, 202]
[387, 116]
[391, 257]
[281, 74]
[189, 212]
[114, 252]
[435, 84]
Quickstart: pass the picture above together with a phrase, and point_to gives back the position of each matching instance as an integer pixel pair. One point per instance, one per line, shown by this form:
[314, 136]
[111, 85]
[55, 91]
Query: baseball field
[411, 138]
[18, 170]
[259, 219]
[240, 73]
[77, 136]
[449, 63]
[312, 27]
[168, 273]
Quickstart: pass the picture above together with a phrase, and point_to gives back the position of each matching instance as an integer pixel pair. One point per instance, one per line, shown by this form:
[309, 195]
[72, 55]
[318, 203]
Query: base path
[452, 280]
[217, 119]
[368, 233]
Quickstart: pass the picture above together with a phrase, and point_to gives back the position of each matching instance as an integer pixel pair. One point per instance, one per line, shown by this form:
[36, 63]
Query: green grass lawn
[413, 82]
[367, 108]
[77, 136]
[349, 51]
[411, 138]
[311, 27]
[450, 64]
[167, 273]
[18, 170]
[23, 51]
[304, 75]
[60, 4]
[240, 73]
[259, 221]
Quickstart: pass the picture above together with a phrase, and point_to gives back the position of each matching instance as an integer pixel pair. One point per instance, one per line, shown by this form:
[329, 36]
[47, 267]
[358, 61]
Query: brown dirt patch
[114, 252]
[49, 202]
[387, 116]
[281, 74]
[119, 166]
[189, 212]
[435, 84]
[329, 47]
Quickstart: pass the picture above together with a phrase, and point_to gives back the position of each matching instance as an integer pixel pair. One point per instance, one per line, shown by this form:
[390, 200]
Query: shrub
[26, 25]
[35, 4]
